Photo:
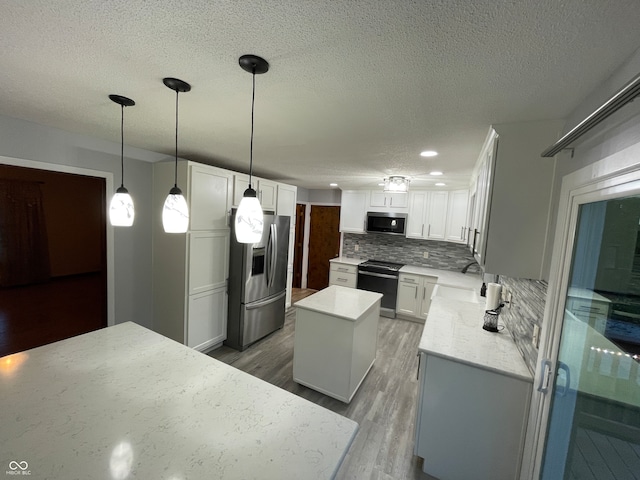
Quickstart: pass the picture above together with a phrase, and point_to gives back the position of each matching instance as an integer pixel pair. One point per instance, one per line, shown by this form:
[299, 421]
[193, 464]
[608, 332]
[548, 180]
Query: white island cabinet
[473, 397]
[126, 402]
[336, 339]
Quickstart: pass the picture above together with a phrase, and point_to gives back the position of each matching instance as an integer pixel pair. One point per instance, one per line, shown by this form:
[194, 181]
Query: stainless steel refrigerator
[257, 283]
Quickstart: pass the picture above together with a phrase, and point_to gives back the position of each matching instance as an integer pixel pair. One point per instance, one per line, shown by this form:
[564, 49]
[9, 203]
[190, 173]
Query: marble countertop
[348, 260]
[341, 302]
[453, 330]
[447, 277]
[126, 402]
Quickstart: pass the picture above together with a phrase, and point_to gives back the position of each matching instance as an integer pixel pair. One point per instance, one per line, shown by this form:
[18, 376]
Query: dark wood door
[298, 247]
[324, 244]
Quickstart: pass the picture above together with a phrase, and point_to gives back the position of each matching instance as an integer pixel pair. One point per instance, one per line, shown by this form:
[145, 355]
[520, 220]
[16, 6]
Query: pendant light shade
[249, 216]
[121, 211]
[175, 213]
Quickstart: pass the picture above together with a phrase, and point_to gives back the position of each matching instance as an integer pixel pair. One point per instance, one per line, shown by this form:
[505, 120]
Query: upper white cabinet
[353, 210]
[209, 197]
[513, 196]
[265, 189]
[388, 201]
[457, 216]
[427, 215]
[286, 201]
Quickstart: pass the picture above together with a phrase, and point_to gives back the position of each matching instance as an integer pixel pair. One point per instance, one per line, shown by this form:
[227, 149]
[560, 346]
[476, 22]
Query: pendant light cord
[253, 101]
[122, 145]
[175, 177]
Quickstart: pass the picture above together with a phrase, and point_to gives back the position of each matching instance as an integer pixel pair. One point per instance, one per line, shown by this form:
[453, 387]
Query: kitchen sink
[455, 293]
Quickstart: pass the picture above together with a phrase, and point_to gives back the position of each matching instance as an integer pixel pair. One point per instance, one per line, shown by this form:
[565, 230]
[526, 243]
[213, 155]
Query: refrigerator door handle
[266, 301]
[274, 253]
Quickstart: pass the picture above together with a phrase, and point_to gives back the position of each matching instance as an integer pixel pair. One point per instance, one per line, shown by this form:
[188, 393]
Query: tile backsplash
[528, 298]
[396, 248]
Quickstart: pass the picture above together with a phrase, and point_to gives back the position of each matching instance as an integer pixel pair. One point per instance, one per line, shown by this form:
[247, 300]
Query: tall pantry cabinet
[190, 269]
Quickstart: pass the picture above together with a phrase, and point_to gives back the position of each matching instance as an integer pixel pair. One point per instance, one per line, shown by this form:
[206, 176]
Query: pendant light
[249, 218]
[175, 213]
[396, 184]
[121, 211]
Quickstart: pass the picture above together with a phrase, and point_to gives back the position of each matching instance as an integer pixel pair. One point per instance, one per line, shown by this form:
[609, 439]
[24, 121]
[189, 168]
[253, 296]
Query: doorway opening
[53, 256]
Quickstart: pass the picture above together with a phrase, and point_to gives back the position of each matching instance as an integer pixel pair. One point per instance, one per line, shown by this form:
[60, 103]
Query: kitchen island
[126, 402]
[336, 338]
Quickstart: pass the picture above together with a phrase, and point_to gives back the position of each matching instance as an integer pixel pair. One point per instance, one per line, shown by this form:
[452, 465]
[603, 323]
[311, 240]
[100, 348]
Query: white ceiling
[356, 89]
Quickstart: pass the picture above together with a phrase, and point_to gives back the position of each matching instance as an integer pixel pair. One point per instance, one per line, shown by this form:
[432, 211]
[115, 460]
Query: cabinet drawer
[410, 279]
[343, 268]
[344, 279]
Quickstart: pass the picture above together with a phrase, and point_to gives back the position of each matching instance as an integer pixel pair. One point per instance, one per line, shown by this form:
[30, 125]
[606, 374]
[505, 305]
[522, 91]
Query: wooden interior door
[324, 244]
[298, 247]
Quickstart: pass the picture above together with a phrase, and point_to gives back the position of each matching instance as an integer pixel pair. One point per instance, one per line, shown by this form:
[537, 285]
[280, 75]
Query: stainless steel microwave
[386, 222]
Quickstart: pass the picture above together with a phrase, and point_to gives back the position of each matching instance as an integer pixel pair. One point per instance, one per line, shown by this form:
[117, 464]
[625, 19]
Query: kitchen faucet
[466, 267]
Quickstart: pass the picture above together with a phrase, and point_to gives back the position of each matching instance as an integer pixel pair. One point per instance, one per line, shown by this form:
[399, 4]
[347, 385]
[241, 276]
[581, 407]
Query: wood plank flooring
[384, 406]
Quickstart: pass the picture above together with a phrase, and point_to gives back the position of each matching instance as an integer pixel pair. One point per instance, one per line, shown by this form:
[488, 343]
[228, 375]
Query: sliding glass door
[591, 381]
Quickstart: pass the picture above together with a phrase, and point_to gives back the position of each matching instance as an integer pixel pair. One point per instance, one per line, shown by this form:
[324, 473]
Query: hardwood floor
[298, 294]
[384, 406]
[35, 315]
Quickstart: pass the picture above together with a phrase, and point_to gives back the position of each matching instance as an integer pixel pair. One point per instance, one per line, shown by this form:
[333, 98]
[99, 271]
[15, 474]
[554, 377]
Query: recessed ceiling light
[440, 184]
[428, 153]
[333, 184]
[435, 173]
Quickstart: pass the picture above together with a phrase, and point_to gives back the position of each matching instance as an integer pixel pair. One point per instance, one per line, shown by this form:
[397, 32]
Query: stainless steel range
[381, 277]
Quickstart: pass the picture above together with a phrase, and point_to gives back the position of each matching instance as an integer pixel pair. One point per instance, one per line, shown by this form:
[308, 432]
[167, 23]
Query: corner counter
[474, 395]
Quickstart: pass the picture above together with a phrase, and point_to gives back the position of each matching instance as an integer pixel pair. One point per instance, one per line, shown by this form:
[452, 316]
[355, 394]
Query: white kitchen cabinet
[414, 295]
[265, 189]
[208, 257]
[427, 217]
[417, 212]
[286, 201]
[514, 190]
[207, 319]
[457, 216]
[353, 210]
[470, 421]
[343, 274]
[209, 197]
[190, 269]
[388, 201]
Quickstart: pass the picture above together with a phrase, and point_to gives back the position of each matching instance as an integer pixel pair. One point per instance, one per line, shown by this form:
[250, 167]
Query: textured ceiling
[356, 89]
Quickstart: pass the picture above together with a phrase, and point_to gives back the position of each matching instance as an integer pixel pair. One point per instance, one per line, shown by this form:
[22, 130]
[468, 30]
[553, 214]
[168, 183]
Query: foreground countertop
[342, 302]
[453, 330]
[126, 402]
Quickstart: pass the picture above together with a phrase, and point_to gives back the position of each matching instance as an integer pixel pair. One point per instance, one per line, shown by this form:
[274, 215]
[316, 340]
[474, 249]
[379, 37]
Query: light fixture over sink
[396, 184]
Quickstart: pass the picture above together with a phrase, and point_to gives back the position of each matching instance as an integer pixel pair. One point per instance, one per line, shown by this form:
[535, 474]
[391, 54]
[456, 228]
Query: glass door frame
[612, 177]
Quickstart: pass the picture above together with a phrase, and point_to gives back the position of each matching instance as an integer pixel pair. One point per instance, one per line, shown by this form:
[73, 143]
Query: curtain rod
[625, 95]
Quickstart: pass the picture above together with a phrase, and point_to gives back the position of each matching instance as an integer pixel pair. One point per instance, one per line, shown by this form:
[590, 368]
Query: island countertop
[126, 402]
[341, 302]
[453, 330]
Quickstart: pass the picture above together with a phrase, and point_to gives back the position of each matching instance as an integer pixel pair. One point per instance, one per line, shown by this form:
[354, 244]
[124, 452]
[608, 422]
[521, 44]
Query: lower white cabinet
[343, 274]
[470, 421]
[207, 319]
[414, 295]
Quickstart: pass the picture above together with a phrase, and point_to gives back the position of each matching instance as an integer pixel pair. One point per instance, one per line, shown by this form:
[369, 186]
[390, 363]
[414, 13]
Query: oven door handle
[380, 275]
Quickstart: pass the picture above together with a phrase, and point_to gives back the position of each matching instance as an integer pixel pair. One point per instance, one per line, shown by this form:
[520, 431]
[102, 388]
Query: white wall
[28, 141]
[619, 131]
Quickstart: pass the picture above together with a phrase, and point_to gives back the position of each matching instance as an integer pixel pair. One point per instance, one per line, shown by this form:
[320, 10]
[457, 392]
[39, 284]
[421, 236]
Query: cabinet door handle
[385, 201]
[342, 269]
[424, 293]
[341, 279]
[391, 202]
[422, 231]
[461, 233]
[418, 374]
[415, 294]
[429, 230]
